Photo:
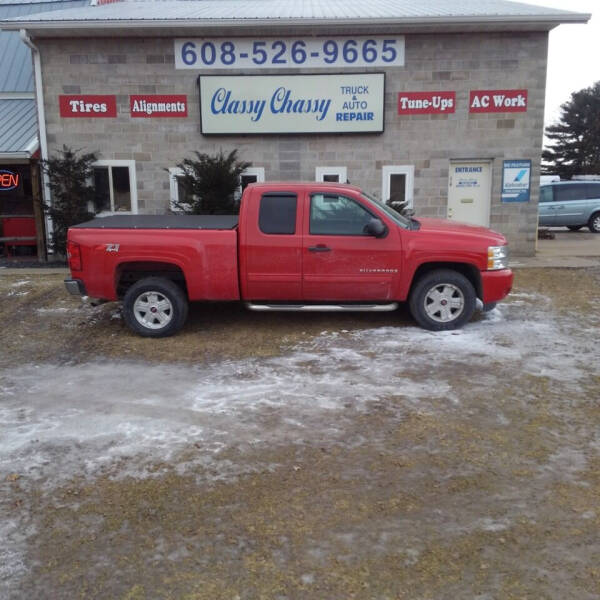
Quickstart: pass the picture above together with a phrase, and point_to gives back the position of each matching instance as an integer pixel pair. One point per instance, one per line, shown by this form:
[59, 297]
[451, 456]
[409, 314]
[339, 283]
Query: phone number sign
[286, 53]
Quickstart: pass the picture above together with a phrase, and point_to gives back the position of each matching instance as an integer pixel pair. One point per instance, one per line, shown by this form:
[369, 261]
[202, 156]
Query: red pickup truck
[294, 246]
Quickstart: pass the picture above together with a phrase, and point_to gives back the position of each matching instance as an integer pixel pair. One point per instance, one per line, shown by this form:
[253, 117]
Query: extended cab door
[340, 261]
[271, 246]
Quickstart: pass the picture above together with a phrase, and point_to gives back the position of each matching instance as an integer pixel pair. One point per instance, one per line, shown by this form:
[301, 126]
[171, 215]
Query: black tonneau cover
[161, 222]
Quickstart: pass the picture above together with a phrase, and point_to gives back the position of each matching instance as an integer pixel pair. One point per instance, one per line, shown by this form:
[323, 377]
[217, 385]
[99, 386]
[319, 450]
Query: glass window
[182, 192]
[593, 191]
[546, 193]
[16, 197]
[397, 184]
[397, 187]
[333, 178]
[102, 189]
[277, 215]
[247, 180]
[112, 189]
[337, 215]
[121, 189]
[568, 192]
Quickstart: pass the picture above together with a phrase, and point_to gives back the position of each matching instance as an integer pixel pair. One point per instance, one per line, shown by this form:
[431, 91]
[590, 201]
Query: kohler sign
[239, 104]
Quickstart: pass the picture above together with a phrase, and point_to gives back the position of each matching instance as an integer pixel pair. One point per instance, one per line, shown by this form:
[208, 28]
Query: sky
[573, 54]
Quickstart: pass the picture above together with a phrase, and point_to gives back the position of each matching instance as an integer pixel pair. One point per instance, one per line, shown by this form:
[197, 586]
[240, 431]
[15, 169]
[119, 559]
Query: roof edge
[551, 20]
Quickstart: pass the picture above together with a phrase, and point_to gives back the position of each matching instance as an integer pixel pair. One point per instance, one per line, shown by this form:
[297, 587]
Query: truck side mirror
[376, 228]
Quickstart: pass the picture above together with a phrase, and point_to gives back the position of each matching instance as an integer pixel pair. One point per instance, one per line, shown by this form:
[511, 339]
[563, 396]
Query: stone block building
[440, 105]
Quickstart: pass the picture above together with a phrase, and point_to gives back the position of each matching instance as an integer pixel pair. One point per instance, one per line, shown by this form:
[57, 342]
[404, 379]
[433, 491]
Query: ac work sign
[497, 101]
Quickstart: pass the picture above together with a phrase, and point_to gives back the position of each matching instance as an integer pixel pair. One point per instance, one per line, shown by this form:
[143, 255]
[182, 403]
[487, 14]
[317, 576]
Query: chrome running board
[323, 307]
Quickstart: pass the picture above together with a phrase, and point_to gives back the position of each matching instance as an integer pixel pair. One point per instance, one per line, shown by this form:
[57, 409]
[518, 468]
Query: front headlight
[497, 258]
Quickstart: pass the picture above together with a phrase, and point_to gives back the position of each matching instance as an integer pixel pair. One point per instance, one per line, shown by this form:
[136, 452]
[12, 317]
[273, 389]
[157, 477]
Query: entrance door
[470, 192]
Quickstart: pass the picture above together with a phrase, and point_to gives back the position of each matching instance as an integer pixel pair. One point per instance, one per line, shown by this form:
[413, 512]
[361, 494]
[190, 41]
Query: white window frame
[387, 171]
[174, 173]
[341, 172]
[258, 172]
[130, 164]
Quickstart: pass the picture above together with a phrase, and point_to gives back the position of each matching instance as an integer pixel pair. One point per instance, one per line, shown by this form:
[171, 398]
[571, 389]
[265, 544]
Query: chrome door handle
[319, 248]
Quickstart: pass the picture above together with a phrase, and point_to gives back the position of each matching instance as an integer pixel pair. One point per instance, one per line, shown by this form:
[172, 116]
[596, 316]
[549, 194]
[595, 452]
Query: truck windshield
[388, 210]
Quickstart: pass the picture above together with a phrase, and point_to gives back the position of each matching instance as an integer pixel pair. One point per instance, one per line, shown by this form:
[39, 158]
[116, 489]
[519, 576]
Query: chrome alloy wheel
[444, 303]
[596, 223]
[153, 310]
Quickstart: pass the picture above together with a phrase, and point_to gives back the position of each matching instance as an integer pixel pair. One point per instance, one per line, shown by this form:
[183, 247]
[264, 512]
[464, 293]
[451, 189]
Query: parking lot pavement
[350, 458]
[570, 249]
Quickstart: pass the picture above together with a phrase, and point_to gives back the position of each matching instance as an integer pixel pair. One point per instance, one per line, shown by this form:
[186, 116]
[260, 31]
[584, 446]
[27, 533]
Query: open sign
[8, 180]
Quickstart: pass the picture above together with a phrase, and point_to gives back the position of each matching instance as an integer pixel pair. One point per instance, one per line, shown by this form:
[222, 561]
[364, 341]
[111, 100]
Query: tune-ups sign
[426, 103]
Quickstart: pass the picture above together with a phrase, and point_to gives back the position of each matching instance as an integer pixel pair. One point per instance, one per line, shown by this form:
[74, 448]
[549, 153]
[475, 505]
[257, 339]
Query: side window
[593, 191]
[546, 193]
[115, 186]
[331, 174]
[568, 192]
[397, 184]
[277, 214]
[331, 214]
[180, 198]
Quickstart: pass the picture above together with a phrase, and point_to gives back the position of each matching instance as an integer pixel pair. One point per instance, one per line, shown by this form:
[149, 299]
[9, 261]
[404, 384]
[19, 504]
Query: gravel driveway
[293, 457]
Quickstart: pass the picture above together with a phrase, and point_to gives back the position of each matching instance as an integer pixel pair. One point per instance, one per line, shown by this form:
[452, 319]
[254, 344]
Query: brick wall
[453, 62]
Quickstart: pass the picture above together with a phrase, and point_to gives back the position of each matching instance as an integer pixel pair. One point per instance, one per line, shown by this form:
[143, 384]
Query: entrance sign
[8, 180]
[87, 106]
[497, 101]
[285, 53]
[516, 178]
[426, 103]
[234, 104]
[153, 106]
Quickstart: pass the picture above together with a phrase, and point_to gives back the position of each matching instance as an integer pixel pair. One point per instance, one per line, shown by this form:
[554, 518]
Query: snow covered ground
[122, 418]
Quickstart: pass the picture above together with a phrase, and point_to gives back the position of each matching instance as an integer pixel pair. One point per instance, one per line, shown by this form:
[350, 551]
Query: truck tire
[442, 299]
[155, 307]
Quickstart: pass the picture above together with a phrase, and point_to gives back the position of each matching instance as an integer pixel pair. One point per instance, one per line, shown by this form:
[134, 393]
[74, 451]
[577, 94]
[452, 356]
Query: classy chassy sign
[286, 53]
[292, 103]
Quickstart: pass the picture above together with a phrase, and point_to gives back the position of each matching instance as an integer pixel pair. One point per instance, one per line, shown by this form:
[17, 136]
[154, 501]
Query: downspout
[41, 117]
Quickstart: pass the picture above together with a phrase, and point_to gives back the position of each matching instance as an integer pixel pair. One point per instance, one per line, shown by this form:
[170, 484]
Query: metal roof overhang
[179, 27]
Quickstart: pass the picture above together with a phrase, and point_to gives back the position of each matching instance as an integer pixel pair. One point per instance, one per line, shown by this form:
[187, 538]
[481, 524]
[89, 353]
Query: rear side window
[277, 214]
[568, 192]
[546, 193]
[593, 191]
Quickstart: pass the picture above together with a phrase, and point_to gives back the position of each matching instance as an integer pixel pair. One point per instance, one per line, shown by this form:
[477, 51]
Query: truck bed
[215, 222]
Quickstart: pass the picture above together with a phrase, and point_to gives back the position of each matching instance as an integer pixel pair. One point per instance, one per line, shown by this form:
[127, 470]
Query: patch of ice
[20, 283]
[56, 311]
